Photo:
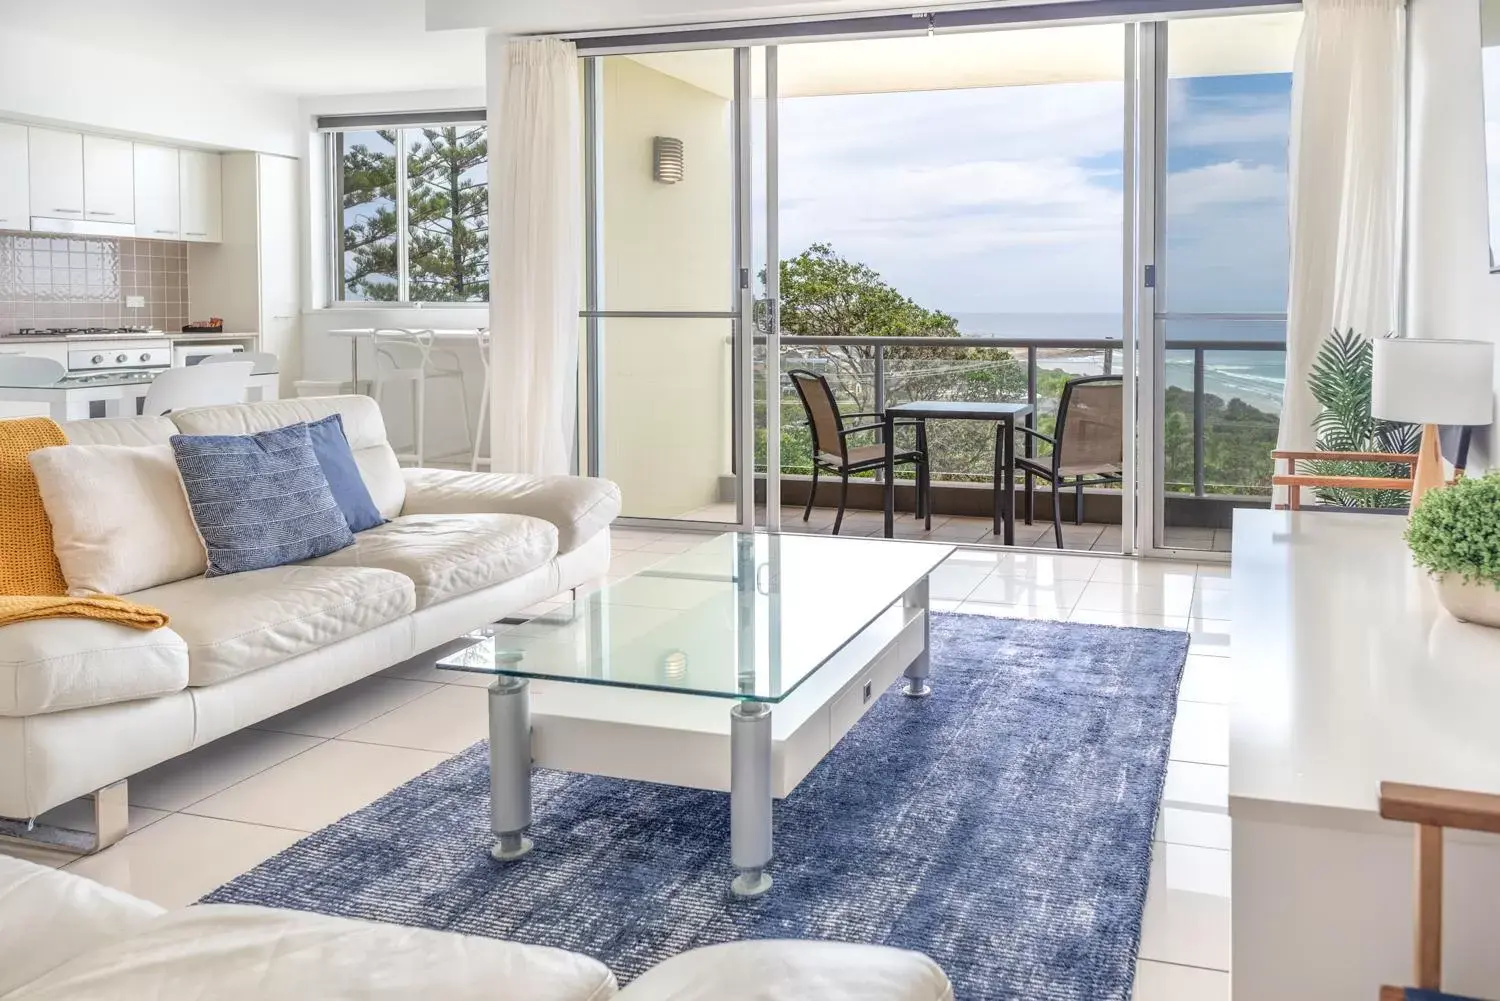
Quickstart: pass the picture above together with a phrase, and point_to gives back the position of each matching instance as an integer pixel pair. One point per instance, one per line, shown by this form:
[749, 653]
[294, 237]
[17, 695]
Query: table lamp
[1428, 381]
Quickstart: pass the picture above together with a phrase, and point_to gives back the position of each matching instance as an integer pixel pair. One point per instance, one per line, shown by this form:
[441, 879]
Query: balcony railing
[1229, 437]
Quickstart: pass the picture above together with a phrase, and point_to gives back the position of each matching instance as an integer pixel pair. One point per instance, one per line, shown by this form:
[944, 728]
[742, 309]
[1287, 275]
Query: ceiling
[300, 47]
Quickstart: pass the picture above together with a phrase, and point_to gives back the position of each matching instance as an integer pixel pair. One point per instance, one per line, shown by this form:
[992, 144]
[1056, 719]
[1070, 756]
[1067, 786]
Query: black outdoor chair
[1088, 448]
[832, 452]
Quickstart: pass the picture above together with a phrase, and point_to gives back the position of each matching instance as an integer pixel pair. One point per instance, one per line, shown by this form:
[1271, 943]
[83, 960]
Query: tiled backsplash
[82, 281]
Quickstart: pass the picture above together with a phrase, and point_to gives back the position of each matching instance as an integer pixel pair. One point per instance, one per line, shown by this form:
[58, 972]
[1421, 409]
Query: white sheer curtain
[535, 253]
[1347, 187]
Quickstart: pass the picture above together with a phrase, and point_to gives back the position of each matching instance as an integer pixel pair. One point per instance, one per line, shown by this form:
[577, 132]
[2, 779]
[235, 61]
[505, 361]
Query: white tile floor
[206, 817]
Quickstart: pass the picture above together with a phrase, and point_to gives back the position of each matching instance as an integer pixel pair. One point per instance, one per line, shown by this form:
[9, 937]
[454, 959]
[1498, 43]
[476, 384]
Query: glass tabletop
[742, 616]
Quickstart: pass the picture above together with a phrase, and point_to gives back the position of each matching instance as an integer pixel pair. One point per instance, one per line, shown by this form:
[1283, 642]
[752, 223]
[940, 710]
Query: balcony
[1218, 414]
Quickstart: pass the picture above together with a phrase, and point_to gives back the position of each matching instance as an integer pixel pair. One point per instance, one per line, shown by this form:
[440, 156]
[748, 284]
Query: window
[411, 213]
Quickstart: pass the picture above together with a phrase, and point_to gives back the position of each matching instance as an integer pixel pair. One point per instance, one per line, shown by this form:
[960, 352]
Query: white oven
[184, 355]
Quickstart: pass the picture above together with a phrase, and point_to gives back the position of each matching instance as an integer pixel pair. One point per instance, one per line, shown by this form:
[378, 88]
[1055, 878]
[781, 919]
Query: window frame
[334, 128]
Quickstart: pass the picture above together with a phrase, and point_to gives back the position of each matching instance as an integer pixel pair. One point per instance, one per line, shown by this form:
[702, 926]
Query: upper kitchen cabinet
[56, 173]
[15, 184]
[158, 199]
[202, 196]
[108, 180]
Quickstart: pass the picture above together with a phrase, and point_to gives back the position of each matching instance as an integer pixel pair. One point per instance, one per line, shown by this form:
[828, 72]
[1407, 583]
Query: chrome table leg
[750, 797]
[510, 767]
[919, 670]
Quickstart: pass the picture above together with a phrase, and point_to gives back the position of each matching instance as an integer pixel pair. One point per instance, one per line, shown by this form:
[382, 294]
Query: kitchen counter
[148, 336]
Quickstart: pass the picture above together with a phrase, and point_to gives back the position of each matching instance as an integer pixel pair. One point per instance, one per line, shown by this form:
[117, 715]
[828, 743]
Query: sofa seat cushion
[243, 622]
[51, 665]
[232, 953]
[772, 970]
[448, 556]
[51, 917]
[579, 506]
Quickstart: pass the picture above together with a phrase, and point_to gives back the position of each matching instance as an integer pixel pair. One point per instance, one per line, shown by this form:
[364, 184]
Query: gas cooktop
[81, 331]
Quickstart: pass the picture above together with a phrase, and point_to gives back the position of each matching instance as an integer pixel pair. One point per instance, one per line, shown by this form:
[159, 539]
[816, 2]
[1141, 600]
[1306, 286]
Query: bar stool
[484, 403]
[409, 357]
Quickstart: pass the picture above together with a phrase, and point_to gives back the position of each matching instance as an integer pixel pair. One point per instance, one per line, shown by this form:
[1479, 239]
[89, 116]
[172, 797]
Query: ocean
[1256, 377]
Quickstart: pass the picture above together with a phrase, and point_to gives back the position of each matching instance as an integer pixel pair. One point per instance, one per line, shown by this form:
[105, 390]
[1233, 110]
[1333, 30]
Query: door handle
[69, 211]
[99, 212]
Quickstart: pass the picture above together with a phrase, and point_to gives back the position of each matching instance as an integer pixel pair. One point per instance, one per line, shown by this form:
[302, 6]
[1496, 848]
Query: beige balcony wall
[667, 410]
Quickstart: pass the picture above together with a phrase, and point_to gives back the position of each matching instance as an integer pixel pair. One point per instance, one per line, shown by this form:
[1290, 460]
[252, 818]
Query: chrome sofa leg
[111, 823]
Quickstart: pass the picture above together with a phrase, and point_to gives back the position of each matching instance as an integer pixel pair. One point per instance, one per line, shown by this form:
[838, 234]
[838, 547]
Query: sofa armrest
[50, 918]
[769, 970]
[580, 506]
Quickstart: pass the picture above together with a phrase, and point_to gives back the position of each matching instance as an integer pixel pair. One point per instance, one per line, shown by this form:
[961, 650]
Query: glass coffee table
[632, 680]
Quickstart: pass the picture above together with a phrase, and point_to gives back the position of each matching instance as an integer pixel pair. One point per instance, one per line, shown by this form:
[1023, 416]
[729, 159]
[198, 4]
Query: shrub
[1456, 530]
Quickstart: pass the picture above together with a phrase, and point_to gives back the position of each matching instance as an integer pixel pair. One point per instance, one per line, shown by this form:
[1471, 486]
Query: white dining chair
[265, 378]
[409, 357]
[30, 371]
[197, 386]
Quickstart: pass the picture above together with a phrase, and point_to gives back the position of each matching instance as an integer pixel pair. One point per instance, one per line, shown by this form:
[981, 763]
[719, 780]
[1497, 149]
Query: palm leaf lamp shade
[1428, 381]
[666, 159]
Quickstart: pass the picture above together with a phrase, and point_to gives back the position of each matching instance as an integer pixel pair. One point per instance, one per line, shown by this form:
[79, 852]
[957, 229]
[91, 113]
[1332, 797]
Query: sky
[1010, 199]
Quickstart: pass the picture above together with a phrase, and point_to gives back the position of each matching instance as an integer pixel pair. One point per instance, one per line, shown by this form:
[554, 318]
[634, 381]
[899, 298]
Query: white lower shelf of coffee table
[683, 740]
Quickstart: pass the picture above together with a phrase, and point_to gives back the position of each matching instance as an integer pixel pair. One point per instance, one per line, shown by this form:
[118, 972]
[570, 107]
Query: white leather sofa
[64, 937]
[85, 704]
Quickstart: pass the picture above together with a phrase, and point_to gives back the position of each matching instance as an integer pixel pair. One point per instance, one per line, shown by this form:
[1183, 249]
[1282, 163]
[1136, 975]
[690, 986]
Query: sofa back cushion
[120, 431]
[363, 426]
[120, 519]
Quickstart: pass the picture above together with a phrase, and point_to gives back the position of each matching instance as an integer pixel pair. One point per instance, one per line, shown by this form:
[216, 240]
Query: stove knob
[121, 359]
[146, 357]
[97, 360]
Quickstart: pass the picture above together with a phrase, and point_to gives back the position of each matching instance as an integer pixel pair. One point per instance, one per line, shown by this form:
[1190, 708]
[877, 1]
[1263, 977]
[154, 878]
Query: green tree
[825, 294]
[447, 213]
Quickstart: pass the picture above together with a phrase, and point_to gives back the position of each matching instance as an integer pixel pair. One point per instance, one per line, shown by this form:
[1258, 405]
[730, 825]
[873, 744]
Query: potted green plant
[1454, 535]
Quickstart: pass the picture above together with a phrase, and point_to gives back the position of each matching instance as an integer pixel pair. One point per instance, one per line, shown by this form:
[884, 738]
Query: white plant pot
[1478, 602]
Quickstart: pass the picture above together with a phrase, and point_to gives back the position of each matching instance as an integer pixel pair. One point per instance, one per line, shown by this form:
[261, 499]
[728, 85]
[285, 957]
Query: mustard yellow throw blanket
[31, 582]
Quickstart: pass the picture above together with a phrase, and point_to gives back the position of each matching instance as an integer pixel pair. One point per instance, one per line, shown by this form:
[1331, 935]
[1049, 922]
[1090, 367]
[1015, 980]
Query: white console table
[1346, 673]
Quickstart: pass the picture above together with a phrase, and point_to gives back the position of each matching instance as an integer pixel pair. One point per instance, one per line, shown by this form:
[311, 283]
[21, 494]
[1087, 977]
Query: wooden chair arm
[1466, 811]
[1346, 456]
[1341, 482]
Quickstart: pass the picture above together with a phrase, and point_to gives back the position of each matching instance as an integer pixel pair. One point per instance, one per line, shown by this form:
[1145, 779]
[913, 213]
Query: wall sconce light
[666, 155]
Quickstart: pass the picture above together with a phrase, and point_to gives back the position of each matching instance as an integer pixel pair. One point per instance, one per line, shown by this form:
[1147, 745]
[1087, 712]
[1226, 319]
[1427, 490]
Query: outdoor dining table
[1003, 414]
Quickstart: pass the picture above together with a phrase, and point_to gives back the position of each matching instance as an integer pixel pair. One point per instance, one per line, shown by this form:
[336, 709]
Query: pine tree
[447, 213]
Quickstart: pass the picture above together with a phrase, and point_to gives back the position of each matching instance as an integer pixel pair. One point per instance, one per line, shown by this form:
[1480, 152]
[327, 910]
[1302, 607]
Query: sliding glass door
[663, 319]
[978, 216]
[1214, 335]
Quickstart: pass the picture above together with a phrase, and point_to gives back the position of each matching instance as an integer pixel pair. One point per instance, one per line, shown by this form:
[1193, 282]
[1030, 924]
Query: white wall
[51, 80]
[1451, 292]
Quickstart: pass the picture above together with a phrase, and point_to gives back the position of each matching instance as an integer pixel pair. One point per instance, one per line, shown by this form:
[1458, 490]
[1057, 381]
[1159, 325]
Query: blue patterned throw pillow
[260, 500]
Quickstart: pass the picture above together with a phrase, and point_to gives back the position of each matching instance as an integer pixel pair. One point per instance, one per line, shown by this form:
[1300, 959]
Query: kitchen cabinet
[253, 276]
[15, 184]
[108, 180]
[55, 168]
[158, 197]
[202, 196]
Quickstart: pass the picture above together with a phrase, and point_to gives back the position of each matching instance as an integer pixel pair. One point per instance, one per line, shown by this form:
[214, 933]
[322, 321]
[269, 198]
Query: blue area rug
[1003, 827]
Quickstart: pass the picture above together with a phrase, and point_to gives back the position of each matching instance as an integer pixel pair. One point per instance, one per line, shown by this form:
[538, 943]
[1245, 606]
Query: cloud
[1230, 182]
[1010, 199]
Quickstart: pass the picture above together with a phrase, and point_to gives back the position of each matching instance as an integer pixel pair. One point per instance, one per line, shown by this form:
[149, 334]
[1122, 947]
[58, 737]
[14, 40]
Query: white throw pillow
[120, 518]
